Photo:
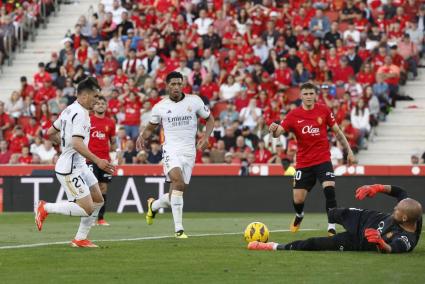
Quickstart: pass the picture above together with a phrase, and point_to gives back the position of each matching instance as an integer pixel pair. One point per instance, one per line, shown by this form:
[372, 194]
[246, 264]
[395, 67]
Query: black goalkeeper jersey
[394, 235]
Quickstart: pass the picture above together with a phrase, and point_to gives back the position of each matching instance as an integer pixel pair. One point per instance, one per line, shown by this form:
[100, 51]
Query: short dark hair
[173, 75]
[102, 98]
[308, 85]
[88, 84]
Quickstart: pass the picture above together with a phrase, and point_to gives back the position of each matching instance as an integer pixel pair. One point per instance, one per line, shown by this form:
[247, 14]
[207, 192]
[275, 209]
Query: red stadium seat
[332, 15]
[343, 26]
[218, 108]
[293, 94]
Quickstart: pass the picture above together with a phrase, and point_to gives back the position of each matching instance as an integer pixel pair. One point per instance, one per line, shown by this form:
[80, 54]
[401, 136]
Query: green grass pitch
[216, 253]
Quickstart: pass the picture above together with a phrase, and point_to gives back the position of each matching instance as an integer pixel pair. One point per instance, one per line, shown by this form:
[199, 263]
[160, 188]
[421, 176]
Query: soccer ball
[256, 231]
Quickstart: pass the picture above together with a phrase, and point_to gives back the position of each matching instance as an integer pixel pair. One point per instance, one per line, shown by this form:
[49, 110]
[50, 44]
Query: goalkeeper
[366, 230]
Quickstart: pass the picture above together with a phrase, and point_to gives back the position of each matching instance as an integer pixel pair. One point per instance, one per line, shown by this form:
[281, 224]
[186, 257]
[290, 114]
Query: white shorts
[184, 162]
[77, 185]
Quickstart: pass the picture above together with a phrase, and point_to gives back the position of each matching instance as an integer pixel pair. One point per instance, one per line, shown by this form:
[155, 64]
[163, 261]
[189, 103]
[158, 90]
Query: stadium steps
[47, 41]
[403, 134]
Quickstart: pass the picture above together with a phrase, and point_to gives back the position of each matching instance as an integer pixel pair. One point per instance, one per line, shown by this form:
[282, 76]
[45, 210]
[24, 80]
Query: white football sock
[65, 208]
[331, 226]
[87, 222]
[163, 202]
[177, 209]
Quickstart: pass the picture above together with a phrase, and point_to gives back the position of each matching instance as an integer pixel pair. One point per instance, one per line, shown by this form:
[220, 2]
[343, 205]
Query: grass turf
[202, 259]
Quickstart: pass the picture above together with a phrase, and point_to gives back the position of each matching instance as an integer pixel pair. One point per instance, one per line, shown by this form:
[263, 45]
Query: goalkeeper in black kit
[366, 230]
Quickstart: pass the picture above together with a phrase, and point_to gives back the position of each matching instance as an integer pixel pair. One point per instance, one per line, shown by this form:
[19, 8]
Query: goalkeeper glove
[373, 236]
[369, 190]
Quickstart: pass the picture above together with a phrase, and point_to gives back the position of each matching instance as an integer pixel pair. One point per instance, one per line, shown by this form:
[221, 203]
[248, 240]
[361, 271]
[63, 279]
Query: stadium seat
[332, 15]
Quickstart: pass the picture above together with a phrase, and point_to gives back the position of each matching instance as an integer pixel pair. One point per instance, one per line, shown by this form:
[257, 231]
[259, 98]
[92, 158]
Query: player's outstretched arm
[80, 147]
[147, 132]
[276, 130]
[54, 135]
[344, 142]
[372, 190]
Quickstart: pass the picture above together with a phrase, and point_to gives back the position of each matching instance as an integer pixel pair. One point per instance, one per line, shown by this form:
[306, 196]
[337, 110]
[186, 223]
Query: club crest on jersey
[189, 109]
[319, 120]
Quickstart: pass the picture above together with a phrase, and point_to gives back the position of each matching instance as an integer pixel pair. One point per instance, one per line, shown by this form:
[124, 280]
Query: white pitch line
[137, 239]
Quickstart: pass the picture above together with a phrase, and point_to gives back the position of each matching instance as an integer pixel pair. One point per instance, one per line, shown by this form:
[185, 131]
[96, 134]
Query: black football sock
[102, 210]
[329, 192]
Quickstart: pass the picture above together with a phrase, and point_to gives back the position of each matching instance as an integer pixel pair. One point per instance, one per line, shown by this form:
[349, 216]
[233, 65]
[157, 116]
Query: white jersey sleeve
[201, 109]
[79, 125]
[57, 124]
[156, 115]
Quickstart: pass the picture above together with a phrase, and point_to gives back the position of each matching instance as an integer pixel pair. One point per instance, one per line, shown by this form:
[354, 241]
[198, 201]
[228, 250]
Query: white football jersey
[180, 122]
[73, 121]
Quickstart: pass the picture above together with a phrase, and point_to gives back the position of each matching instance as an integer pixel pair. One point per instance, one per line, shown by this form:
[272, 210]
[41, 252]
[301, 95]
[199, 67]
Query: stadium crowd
[245, 59]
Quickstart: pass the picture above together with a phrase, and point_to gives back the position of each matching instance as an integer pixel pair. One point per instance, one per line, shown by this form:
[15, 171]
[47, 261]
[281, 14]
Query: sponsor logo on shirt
[98, 134]
[314, 131]
[180, 120]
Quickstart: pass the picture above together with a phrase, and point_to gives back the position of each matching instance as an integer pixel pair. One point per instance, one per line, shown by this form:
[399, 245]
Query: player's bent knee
[179, 185]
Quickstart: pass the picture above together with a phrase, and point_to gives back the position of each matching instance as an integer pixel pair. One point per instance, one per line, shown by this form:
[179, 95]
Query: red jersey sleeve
[112, 131]
[286, 124]
[330, 118]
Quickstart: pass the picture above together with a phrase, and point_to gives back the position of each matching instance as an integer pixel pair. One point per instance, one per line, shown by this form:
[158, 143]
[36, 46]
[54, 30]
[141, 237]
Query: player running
[102, 141]
[72, 131]
[367, 230]
[310, 123]
[178, 113]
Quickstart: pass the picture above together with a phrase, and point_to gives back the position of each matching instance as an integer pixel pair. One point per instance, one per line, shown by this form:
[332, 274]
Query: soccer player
[72, 131]
[102, 141]
[178, 113]
[366, 230]
[310, 123]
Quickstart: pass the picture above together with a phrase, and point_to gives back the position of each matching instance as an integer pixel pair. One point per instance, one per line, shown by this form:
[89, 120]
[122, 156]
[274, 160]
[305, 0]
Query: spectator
[32, 129]
[25, 157]
[332, 36]
[122, 139]
[360, 120]
[129, 155]
[18, 140]
[262, 155]
[353, 59]
[5, 154]
[131, 120]
[26, 90]
[351, 35]
[300, 75]
[41, 76]
[5, 121]
[320, 25]
[408, 50]
[391, 75]
[141, 158]
[151, 62]
[155, 153]
[203, 22]
[415, 159]
[53, 66]
[217, 154]
[229, 138]
[46, 152]
[228, 158]
[249, 115]
[15, 105]
[230, 89]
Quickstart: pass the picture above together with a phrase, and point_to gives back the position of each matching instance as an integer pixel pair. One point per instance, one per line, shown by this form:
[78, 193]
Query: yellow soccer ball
[256, 231]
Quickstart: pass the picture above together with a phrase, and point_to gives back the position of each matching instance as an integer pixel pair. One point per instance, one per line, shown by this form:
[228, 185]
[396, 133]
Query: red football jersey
[310, 127]
[101, 131]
